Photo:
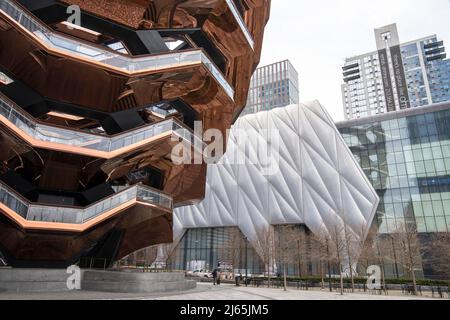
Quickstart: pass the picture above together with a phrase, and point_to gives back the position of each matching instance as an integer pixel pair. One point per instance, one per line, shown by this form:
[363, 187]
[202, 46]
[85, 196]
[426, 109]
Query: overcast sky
[317, 35]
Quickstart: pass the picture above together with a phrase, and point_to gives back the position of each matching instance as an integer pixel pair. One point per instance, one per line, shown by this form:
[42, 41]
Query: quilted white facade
[317, 182]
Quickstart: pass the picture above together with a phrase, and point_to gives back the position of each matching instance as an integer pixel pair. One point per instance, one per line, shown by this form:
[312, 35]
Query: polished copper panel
[213, 16]
[69, 78]
[63, 247]
[63, 79]
[183, 182]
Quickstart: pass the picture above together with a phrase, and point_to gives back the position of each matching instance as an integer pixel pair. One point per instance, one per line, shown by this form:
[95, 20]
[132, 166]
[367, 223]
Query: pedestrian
[214, 274]
[237, 280]
[218, 277]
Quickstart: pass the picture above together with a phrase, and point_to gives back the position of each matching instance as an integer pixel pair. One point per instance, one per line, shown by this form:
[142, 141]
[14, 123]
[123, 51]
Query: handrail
[56, 134]
[4, 78]
[234, 10]
[108, 57]
[74, 215]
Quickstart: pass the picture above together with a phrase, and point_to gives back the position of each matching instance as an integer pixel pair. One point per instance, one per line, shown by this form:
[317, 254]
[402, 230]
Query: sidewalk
[206, 291]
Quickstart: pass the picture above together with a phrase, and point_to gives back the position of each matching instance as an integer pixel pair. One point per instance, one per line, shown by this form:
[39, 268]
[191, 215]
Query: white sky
[317, 35]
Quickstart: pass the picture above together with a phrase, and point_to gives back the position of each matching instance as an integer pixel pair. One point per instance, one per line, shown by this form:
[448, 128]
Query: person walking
[214, 274]
[238, 279]
[218, 277]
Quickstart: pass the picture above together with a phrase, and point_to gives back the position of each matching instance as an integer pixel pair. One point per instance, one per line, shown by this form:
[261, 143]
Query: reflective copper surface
[77, 81]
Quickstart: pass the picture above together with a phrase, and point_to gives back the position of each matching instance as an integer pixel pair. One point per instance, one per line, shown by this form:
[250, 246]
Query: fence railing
[73, 215]
[108, 56]
[407, 289]
[241, 22]
[92, 141]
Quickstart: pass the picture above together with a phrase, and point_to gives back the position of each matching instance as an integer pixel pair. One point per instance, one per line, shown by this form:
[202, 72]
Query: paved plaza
[206, 291]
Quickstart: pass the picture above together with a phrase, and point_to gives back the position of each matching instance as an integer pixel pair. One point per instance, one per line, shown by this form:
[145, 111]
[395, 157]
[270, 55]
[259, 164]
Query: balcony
[190, 6]
[95, 145]
[240, 21]
[36, 216]
[107, 58]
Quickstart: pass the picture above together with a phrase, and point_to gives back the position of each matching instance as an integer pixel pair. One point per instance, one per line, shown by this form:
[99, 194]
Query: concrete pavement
[206, 291]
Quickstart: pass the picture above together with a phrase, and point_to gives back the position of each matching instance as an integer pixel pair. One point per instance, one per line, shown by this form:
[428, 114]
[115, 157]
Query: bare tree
[338, 246]
[232, 249]
[320, 255]
[437, 254]
[290, 245]
[365, 256]
[391, 250]
[265, 247]
[407, 239]
[352, 249]
[143, 257]
[367, 252]
[165, 254]
[302, 250]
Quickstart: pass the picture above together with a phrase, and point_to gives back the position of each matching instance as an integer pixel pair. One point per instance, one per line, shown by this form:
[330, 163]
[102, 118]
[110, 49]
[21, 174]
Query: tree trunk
[329, 268]
[413, 274]
[299, 261]
[285, 276]
[350, 262]
[322, 274]
[352, 277]
[395, 258]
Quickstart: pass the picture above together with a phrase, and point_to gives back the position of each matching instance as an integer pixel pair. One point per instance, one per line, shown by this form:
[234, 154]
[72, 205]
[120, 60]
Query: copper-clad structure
[91, 108]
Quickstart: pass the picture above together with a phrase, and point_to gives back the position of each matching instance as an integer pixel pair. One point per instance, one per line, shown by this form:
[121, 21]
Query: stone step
[112, 276]
[54, 280]
[33, 286]
[138, 287]
[31, 275]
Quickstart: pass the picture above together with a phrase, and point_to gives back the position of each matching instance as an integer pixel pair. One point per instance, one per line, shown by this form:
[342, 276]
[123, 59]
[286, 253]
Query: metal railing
[74, 215]
[108, 56]
[97, 142]
[406, 289]
[158, 110]
[240, 20]
[4, 79]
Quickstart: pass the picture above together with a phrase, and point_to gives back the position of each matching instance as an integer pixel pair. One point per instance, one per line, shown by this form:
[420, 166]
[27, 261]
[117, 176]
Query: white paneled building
[310, 179]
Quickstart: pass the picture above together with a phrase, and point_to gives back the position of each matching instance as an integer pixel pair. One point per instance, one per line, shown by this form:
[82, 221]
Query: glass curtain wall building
[406, 156]
[396, 76]
[227, 247]
[272, 86]
[211, 248]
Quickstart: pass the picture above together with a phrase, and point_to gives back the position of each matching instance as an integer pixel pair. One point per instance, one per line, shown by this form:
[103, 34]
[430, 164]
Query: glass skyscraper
[406, 156]
[396, 76]
[272, 86]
